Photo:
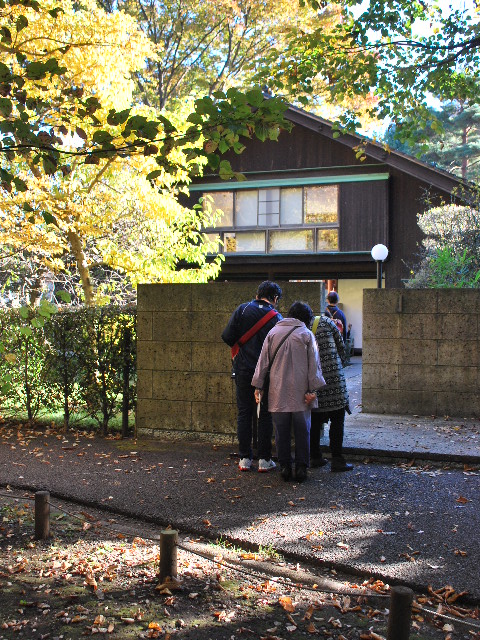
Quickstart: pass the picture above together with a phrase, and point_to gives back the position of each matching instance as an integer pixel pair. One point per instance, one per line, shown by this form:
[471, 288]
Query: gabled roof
[438, 178]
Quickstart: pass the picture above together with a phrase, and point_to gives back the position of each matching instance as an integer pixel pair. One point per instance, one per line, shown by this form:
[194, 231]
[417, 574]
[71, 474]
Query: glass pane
[267, 195]
[301, 240]
[291, 206]
[246, 208]
[321, 204]
[269, 207]
[222, 200]
[327, 240]
[245, 242]
[268, 220]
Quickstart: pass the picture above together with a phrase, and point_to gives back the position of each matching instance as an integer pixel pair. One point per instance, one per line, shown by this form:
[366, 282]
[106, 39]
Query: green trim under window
[286, 182]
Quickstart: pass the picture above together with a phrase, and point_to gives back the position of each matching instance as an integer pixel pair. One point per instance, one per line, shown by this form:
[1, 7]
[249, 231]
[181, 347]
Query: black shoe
[300, 472]
[286, 472]
[318, 462]
[339, 464]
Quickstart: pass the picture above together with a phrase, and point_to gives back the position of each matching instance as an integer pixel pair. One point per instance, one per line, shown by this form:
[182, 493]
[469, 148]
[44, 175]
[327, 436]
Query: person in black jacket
[243, 319]
[337, 315]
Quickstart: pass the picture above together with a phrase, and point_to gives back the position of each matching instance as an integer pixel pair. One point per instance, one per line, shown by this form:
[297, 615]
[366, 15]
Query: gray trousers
[283, 422]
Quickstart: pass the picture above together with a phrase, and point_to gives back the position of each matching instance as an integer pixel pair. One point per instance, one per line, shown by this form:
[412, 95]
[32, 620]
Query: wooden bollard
[42, 515]
[400, 616]
[168, 554]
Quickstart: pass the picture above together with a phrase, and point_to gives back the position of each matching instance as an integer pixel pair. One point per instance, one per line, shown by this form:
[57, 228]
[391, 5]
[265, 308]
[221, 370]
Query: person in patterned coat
[332, 398]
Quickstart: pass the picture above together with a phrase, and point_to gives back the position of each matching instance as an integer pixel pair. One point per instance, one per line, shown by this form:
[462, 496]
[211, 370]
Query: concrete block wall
[421, 352]
[183, 366]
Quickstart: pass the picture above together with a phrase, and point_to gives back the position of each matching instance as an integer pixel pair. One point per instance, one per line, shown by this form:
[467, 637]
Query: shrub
[78, 362]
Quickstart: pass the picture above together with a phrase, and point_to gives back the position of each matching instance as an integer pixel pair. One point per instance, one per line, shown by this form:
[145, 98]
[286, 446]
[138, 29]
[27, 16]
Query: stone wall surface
[421, 352]
[184, 367]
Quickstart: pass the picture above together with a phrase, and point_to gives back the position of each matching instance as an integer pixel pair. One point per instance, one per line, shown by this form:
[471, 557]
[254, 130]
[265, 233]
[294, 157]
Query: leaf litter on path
[103, 580]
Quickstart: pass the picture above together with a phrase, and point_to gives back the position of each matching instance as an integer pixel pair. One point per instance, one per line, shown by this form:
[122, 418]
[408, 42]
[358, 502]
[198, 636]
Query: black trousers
[337, 422]
[246, 406]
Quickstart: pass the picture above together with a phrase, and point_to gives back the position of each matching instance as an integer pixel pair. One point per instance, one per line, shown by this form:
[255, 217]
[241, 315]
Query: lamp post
[379, 254]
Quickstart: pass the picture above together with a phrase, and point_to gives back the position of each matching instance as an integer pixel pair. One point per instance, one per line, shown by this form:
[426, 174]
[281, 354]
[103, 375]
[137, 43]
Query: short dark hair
[301, 311]
[333, 297]
[269, 290]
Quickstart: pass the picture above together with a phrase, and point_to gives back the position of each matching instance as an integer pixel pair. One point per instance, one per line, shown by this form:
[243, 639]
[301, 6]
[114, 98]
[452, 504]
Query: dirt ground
[96, 575]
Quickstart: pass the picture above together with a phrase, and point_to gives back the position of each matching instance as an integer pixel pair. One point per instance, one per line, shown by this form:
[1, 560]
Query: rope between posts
[250, 573]
[227, 565]
[217, 561]
[447, 617]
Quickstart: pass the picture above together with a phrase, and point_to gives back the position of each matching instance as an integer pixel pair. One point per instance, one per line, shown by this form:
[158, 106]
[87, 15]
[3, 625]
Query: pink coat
[295, 370]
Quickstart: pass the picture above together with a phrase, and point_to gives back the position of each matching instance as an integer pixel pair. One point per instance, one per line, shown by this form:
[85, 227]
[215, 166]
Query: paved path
[424, 438]
[413, 520]
[417, 525]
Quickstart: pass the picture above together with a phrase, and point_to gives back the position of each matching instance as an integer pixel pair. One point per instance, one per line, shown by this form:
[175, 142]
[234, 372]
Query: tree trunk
[464, 158]
[26, 381]
[37, 287]
[77, 249]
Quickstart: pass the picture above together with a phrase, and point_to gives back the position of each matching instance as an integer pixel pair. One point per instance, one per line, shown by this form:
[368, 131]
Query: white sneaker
[265, 465]
[245, 464]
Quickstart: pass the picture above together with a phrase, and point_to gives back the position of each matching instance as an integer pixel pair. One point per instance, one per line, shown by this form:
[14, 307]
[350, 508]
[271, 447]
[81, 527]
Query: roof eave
[442, 180]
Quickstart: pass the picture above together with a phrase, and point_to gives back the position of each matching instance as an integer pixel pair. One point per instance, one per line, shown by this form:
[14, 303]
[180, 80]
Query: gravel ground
[403, 523]
[96, 576]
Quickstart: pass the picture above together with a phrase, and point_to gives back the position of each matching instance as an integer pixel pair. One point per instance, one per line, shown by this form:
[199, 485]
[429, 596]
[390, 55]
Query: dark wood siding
[300, 149]
[408, 198]
[371, 211]
[363, 215]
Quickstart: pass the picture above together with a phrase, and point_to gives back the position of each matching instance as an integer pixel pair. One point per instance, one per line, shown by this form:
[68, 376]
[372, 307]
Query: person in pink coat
[289, 359]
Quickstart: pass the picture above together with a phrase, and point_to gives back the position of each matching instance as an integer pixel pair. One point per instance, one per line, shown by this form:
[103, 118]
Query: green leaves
[5, 73]
[21, 23]
[117, 117]
[6, 107]
[49, 218]
[49, 164]
[64, 296]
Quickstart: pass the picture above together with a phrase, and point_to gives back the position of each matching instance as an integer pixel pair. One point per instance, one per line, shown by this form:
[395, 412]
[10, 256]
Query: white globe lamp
[379, 254]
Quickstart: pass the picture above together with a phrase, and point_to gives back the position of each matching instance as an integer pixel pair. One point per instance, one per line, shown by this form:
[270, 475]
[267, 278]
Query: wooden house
[310, 209]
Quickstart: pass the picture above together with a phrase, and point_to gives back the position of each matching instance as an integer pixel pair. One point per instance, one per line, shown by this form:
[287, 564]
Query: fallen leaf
[286, 603]
[309, 612]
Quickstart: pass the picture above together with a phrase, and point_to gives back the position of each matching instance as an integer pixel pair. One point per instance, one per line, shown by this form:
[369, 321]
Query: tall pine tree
[456, 148]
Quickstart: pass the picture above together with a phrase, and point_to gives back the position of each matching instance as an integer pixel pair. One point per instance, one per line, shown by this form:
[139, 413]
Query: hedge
[80, 364]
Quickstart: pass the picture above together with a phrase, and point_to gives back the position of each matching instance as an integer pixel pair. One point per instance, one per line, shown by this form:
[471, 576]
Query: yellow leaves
[100, 50]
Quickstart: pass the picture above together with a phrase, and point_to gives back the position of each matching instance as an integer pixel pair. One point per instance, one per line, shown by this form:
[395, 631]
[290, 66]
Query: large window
[289, 220]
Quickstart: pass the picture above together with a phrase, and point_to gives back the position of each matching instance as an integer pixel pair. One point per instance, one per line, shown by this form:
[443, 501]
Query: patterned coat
[331, 349]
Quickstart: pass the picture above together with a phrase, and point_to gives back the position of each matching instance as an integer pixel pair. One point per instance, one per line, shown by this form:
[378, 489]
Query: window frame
[221, 230]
